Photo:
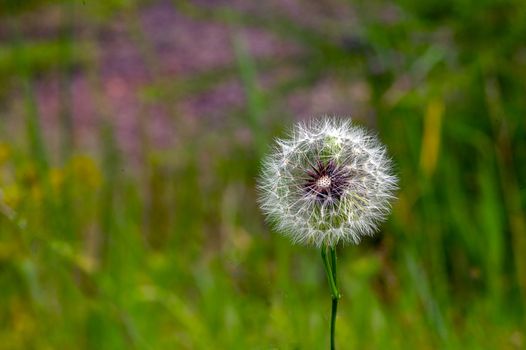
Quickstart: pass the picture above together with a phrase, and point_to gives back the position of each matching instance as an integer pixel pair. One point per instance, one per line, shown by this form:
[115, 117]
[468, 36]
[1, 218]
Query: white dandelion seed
[329, 182]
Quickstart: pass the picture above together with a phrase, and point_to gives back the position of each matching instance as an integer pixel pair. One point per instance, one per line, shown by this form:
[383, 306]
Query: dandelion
[329, 182]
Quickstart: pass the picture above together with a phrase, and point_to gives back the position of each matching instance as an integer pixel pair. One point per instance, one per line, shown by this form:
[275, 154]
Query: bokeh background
[131, 133]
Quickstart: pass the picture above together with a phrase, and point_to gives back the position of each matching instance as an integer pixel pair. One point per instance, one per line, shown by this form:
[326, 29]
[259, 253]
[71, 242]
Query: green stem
[333, 320]
[330, 270]
[333, 265]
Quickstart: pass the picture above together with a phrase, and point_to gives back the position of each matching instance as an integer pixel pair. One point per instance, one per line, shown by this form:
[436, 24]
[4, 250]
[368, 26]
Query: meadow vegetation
[164, 246]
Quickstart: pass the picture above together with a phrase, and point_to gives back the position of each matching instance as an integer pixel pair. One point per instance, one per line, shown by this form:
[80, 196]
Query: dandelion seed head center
[324, 182]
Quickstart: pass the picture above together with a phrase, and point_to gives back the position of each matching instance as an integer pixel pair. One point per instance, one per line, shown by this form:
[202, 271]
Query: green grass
[99, 253]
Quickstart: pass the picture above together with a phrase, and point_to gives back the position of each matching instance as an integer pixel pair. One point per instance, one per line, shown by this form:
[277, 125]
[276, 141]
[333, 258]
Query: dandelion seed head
[328, 182]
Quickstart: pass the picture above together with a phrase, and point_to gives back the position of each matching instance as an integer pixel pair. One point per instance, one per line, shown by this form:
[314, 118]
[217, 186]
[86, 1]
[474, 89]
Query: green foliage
[97, 253]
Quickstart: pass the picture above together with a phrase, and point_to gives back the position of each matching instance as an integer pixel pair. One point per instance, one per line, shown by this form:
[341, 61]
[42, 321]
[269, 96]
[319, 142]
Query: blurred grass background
[131, 134]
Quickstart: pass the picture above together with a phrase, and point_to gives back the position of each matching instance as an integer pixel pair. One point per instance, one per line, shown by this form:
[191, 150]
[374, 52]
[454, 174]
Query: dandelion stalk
[330, 269]
[329, 182]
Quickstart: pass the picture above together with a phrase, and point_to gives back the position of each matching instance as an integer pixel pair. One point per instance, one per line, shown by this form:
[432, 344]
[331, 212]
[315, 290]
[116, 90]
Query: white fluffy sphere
[330, 181]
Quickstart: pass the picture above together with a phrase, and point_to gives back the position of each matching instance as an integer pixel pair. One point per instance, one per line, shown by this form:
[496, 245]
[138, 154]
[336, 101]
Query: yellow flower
[83, 169]
[56, 178]
[11, 195]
